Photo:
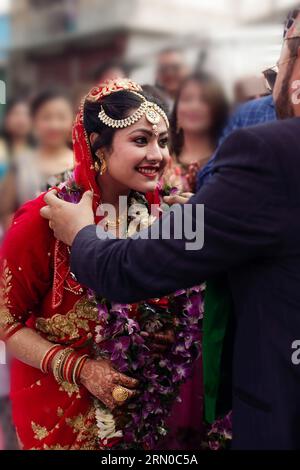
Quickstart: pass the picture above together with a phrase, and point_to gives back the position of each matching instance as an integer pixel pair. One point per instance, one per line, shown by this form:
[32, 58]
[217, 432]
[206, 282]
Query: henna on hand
[100, 378]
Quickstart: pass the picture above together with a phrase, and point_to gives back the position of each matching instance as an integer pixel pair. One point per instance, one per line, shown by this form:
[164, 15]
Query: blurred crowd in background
[55, 52]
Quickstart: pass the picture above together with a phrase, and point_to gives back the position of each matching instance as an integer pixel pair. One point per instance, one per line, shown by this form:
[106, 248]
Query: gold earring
[100, 164]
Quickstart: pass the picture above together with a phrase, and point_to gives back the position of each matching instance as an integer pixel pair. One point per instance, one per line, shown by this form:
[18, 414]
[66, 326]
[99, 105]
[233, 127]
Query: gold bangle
[57, 367]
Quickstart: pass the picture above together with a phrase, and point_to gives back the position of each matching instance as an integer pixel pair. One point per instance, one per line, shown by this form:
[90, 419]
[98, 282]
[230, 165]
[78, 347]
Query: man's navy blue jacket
[252, 231]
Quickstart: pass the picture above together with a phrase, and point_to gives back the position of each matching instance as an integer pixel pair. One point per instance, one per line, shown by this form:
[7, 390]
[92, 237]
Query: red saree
[39, 291]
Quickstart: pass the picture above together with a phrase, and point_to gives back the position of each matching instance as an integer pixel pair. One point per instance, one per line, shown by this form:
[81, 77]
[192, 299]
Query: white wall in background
[4, 6]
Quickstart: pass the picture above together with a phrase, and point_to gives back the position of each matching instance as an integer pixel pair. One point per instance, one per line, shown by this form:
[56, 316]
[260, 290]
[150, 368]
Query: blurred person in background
[109, 70]
[16, 128]
[252, 113]
[172, 70]
[52, 116]
[250, 88]
[48, 162]
[15, 144]
[199, 116]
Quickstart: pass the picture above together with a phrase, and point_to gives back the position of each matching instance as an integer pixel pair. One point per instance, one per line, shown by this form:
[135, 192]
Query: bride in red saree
[51, 323]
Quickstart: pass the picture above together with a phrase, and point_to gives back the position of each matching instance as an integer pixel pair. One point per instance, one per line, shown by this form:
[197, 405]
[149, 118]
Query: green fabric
[217, 311]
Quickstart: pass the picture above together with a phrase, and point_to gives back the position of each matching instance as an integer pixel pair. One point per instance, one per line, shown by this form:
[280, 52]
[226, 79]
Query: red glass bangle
[48, 358]
[68, 366]
[77, 372]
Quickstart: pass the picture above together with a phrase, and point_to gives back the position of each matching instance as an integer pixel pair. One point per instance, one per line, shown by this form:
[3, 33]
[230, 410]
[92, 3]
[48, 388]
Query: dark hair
[157, 95]
[117, 106]
[45, 96]
[101, 69]
[216, 99]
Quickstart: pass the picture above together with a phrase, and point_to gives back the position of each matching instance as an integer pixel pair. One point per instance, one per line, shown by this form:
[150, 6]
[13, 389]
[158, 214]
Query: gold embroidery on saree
[71, 324]
[6, 278]
[70, 389]
[86, 429]
[6, 318]
[40, 432]
[76, 423]
[55, 447]
[84, 426]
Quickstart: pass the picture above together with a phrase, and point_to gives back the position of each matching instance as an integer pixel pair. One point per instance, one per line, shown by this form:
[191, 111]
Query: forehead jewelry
[151, 111]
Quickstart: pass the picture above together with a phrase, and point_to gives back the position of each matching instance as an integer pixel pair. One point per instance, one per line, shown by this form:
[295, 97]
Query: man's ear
[93, 137]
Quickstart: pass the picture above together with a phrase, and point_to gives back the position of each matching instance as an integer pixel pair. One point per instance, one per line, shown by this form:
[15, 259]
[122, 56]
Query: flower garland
[120, 338]
[219, 435]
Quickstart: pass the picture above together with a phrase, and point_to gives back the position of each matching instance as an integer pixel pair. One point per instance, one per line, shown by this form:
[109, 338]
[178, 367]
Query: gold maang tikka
[151, 111]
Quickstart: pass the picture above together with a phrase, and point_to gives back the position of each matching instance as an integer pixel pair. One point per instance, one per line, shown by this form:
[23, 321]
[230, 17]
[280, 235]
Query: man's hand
[67, 219]
[160, 342]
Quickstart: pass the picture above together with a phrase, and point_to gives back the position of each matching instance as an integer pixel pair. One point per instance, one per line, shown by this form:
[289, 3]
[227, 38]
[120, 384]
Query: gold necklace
[116, 223]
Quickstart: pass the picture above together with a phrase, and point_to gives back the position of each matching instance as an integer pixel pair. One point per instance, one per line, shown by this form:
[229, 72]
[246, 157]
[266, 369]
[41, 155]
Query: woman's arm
[26, 276]
[98, 377]
[28, 346]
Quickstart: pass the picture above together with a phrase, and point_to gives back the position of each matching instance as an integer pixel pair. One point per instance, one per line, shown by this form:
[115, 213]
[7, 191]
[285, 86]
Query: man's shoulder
[275, 132]
[281, 138]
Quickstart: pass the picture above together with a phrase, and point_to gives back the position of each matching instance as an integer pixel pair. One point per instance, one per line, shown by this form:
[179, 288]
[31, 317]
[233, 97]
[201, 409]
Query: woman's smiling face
[138, 157]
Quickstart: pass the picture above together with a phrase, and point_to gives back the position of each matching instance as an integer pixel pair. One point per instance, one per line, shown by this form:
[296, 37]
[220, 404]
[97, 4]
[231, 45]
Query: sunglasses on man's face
[272, 73]
[271, 77]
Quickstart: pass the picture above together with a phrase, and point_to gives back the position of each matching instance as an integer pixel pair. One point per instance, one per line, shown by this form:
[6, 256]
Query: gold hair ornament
[151, 111]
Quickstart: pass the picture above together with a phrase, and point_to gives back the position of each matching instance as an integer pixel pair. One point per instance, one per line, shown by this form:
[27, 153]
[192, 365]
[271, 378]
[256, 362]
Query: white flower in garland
[106, 424]
[141, 219]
